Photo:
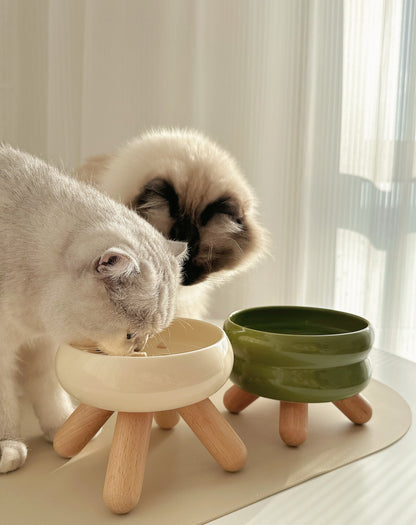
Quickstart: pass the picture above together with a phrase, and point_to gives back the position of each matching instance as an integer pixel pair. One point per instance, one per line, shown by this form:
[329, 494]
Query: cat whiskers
[90, 349]
[162, 344]
[210, 256]
[184, 323]
[238, 246]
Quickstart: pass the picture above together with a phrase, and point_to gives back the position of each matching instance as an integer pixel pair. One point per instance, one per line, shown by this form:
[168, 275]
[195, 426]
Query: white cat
[192, 190]
[76, 267]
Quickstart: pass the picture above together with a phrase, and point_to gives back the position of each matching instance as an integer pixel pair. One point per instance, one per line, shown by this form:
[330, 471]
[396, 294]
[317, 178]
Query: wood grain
[356, 408]
[79, 429]
[236, 399]
[293, 422]
[216, 434]
[167, 419]
[127, 461]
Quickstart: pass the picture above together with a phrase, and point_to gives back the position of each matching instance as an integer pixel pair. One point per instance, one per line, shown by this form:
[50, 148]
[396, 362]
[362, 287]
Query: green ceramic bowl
[300, 354]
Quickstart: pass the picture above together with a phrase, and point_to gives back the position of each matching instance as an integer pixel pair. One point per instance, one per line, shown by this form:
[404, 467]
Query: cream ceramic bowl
[199, 362]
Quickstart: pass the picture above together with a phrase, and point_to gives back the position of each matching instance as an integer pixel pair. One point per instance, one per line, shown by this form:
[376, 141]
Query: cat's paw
[12, 455]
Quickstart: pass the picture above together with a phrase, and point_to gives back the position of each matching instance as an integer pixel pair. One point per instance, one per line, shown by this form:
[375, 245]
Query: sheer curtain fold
[315, 98]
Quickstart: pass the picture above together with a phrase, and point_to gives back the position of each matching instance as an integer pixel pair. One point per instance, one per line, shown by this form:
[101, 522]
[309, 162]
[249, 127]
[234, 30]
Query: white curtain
[315, 98]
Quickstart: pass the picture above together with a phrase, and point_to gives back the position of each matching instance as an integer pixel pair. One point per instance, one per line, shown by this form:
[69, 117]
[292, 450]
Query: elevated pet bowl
[184, 365]
[299, 355]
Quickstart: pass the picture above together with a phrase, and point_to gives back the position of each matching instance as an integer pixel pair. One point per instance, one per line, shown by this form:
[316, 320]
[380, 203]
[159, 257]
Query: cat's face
[121, 342]
[120, 299]
[216, 231]
[190, 190]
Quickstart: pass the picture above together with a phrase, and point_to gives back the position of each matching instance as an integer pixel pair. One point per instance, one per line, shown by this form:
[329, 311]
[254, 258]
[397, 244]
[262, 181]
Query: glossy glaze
[200, 363]
[300, 354]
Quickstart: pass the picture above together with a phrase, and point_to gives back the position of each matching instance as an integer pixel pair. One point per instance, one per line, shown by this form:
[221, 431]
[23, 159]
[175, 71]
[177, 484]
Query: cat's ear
[179, 249]
[115, 264]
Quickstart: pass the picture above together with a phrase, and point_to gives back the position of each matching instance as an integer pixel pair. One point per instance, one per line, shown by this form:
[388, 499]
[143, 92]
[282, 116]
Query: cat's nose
[140, 343]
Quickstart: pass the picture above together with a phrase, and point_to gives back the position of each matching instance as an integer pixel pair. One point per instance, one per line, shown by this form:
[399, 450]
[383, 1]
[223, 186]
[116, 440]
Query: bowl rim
[367, 328]
[177, 355]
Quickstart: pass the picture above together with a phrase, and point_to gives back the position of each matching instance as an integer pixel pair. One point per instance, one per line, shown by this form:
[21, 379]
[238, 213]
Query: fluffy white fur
[78, 268]
[201, 173]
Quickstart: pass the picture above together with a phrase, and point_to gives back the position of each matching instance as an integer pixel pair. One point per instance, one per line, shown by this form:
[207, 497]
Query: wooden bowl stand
[293, 419]
[127, 460]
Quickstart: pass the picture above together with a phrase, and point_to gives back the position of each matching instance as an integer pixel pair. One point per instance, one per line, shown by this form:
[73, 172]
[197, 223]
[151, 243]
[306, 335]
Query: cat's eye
[129, 336]
[225, 205]
[156, 192]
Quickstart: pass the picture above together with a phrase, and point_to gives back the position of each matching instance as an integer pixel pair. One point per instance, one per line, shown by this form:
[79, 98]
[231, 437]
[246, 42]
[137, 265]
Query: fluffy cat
[76, 267]
[192, 190]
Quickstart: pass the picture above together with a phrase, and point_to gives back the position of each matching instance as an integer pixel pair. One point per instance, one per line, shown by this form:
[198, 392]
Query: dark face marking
[161, 188]
[158, 191]
[184, 229]
[225, 205]
[193, 273]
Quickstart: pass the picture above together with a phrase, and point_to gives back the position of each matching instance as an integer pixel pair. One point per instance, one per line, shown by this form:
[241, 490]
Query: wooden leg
[236, 399]
[79, 429]
[127, 461]
[217, 436]
[167, 419]
[293, 422]
[356, 408]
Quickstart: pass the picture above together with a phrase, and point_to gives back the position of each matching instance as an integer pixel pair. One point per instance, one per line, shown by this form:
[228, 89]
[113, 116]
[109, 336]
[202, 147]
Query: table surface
[377, 490]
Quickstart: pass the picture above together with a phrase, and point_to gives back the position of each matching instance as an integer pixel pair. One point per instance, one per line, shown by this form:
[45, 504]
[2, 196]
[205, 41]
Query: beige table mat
[183, 484]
